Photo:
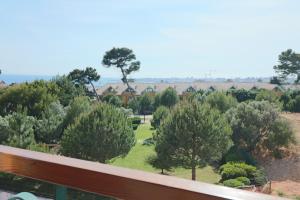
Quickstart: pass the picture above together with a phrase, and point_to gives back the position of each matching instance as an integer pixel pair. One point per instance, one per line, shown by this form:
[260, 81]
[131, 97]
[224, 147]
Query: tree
[146, 104]
[47, 129]
[254, 124]
[169, 97]
[134, 105]
[35, 97]
[17, 129]
[125, 60]
[195, 134]
[156, 101]
[68, 90]
[275, 80]
[221, 101]
[84, 77]
[160, 113]
[113, 100]
[77, 107]
[99, 135]
[162, 160]
[289, 64]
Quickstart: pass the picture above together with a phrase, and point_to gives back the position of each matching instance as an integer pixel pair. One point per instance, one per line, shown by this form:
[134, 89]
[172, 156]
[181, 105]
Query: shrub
[233, 183]
[259, 177]
[135, 126]
[233, 170]
[244, 180]
[136, 120]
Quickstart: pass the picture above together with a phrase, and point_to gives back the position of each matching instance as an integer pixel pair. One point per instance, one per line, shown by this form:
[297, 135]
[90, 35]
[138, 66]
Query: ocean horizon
[14, 78]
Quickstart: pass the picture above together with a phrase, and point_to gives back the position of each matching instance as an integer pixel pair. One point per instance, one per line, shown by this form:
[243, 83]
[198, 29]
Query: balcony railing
[112, 181]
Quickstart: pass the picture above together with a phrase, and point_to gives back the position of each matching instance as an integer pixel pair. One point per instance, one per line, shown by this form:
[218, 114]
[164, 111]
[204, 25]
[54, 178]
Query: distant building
[182, 89]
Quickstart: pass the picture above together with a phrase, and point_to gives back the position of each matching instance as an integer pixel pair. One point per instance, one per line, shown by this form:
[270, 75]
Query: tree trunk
[95, 92]
[144, 118]
[193, 173]
[162, 171]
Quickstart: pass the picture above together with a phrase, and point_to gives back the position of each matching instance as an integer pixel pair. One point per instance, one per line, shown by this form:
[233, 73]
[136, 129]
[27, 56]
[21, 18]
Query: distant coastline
[11, 78]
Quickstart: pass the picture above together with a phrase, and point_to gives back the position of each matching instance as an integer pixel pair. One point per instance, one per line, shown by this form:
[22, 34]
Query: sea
[12, 78]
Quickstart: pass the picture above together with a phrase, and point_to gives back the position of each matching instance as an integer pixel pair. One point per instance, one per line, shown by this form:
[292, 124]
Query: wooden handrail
[112, 181]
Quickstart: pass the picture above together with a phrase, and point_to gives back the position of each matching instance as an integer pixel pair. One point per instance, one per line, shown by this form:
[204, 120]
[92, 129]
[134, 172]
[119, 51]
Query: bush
[244, 180]
[233, 183]
[135, 126]
[260, 177]
[136, 120]
[233, 170]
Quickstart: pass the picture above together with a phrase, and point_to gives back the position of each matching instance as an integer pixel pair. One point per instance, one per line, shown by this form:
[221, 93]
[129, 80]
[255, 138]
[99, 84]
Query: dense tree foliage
[194, 134]
[113, 100]
[77, 107]
[289, 65]
[68, 90]
[268, 95]
[35, 97]
[221, 101]
[256, 124]
[48, 128]
[146, 104]
[85, 77]
[160, 113]
[17, 129]
[169, 97]
[99, 135]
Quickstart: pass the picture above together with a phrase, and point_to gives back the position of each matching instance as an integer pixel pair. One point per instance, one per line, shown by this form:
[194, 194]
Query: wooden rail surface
[112, 181]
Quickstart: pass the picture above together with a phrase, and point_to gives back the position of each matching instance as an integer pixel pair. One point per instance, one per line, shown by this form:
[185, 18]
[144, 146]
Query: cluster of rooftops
[181, 88]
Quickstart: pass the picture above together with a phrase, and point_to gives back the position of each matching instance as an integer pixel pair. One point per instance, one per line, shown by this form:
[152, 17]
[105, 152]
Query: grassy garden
[137, 159]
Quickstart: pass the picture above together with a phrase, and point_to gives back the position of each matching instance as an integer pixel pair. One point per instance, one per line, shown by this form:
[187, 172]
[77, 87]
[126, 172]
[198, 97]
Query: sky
[171, 38]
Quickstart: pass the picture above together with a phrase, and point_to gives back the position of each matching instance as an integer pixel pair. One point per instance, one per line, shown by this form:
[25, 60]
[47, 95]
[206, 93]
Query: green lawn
[136, 159]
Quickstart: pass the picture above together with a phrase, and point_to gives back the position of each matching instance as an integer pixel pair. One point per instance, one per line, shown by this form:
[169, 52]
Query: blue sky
[171, 38]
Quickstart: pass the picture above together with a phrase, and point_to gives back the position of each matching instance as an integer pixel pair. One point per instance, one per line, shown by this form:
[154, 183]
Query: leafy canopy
[194, 134]
[256, 125]
[289, 64]
[169, 97]
[99, 135]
